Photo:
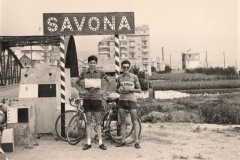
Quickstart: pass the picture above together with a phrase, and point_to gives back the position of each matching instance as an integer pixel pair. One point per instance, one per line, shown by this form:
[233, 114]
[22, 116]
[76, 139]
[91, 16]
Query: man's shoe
[87, 146]
[137, 145]
[121, 144]
[102, 147]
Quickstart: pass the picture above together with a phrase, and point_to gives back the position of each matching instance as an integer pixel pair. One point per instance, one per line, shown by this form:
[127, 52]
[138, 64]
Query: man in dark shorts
[89, 87]
[127, 85]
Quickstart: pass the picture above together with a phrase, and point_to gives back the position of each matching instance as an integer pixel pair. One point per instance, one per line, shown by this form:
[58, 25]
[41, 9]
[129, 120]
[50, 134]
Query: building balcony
[145, 62]
[103, 52]
[132, 52]
[123, 56]
[132, 40]
[145, 57]
[145, 50]
[104, 46]
[144, 39]
[132, 46]
[123, 51]
[123, 45]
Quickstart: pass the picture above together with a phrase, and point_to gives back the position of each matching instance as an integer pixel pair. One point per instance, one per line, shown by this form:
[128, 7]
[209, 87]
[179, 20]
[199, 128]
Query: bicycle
[76, 129]
[114, 128]
[110, 123]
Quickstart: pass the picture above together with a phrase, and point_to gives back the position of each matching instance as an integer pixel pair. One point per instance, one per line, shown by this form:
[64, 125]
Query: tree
[167, 69]
[143, 79]
[153, 69]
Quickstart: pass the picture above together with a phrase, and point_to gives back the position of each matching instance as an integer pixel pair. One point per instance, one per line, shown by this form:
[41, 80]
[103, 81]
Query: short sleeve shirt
[92, 84]
[130, 81]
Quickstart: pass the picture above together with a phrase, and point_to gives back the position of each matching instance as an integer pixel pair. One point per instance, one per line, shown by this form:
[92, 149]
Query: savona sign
[88, 23]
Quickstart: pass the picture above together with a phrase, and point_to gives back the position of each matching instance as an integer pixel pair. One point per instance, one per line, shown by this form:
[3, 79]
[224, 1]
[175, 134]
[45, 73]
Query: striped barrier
[62, 66]
[117, 56]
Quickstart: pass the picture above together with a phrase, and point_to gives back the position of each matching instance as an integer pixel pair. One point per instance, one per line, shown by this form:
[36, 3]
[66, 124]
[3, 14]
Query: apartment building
[134, 47]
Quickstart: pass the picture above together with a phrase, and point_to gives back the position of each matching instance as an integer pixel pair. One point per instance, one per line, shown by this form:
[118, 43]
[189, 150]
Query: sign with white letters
[88, 23]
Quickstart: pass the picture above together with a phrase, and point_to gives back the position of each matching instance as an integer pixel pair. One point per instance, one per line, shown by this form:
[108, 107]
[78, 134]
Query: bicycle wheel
[76, 129]
[68, 115]
[114, 129]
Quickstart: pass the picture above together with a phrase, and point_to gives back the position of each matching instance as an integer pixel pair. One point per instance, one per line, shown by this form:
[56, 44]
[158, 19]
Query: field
[186, 81]
[182, 76]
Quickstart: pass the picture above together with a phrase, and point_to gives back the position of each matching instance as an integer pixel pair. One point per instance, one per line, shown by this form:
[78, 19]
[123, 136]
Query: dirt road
[159, 141]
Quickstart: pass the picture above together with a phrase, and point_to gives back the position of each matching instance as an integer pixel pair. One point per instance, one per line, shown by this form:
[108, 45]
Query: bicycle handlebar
[4, 100]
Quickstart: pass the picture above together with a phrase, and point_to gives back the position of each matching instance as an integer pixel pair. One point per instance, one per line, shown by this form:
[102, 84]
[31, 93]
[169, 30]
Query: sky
[202, 26]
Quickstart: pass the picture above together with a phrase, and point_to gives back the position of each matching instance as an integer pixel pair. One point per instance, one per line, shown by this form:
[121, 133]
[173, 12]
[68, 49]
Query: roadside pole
[117, 56]
[62, 66]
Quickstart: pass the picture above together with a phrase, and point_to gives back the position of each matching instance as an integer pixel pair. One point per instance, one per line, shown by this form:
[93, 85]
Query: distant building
[190, 60]
[134, 47]
[158, 64]
[82, 65]
[31, 55]
[28, 60]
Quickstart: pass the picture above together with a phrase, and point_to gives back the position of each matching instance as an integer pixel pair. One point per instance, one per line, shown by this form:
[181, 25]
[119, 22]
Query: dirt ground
[158, 141]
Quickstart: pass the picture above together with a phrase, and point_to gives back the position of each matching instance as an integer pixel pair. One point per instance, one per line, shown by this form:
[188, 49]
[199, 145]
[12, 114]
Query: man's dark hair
[90, 58]
[125, 62]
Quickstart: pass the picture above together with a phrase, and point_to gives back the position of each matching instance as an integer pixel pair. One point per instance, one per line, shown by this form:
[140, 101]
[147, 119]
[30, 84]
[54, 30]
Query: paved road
[9, 91]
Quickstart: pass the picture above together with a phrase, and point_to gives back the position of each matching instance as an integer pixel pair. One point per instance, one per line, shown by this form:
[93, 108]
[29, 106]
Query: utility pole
[162, 55]
[223, 60]
[170, 61]
[31, 58]
[206, 61]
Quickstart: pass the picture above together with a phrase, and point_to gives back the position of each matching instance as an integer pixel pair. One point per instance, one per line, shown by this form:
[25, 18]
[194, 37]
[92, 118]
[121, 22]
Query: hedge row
[217, 84]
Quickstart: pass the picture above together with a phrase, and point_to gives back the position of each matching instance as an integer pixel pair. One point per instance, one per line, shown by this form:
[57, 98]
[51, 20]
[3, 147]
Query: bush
[220, 112]
[223, 109]
[153, 69]
[230, 72]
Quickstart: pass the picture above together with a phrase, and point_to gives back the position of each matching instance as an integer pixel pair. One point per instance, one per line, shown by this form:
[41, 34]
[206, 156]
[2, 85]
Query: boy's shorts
[126, 104]
[92, 105]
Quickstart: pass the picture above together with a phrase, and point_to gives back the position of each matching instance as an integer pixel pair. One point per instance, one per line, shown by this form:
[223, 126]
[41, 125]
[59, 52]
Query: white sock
[100, 141]
[89, 141]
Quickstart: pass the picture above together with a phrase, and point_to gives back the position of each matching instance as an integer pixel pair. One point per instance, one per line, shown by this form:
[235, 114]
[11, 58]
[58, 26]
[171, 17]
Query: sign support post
[62, 66]
[117, 56]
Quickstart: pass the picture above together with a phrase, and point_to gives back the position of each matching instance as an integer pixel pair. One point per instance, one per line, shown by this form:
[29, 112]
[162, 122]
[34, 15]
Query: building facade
[134, 47]
[190, 60]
